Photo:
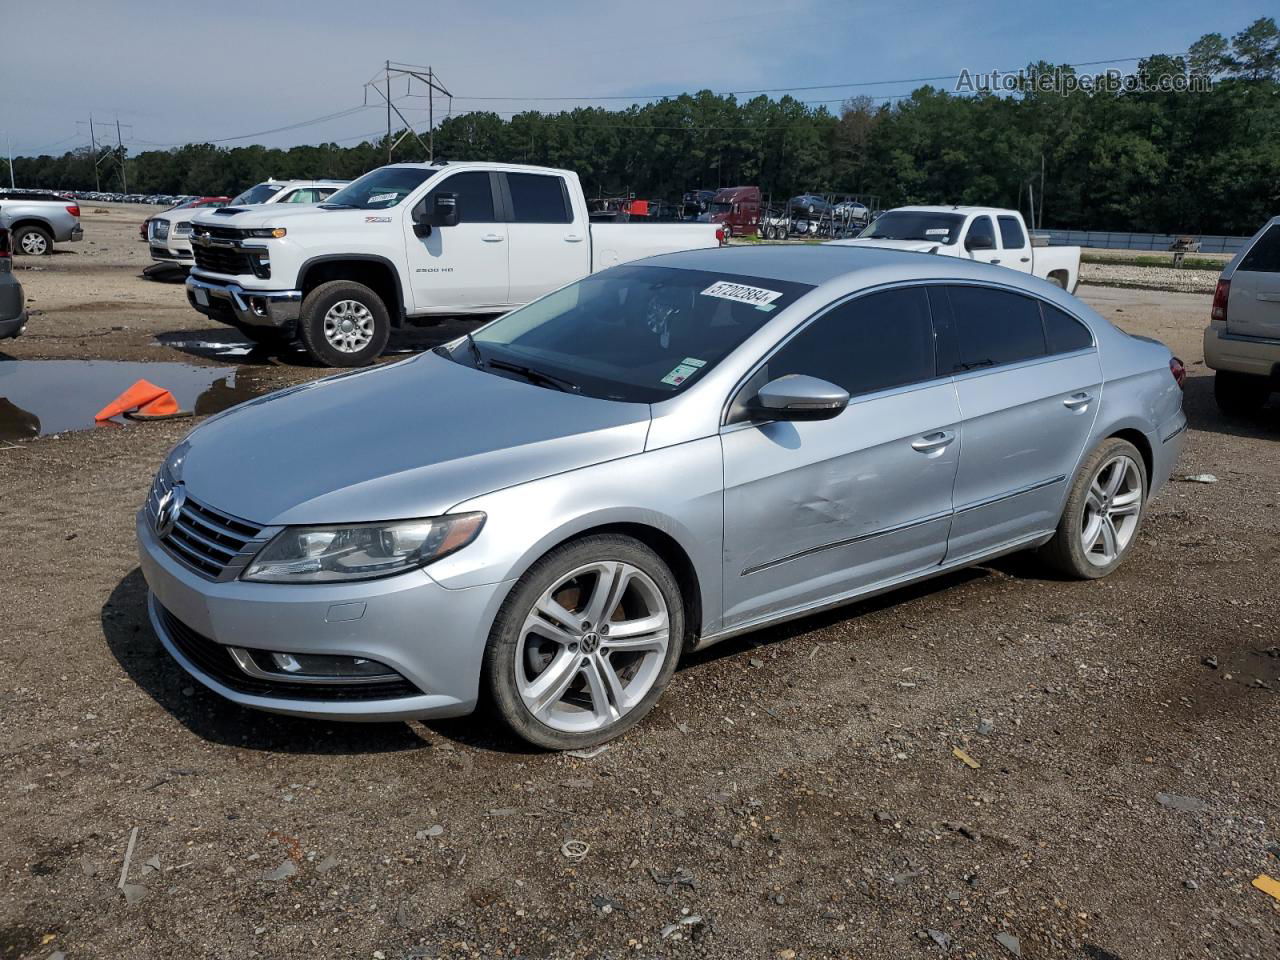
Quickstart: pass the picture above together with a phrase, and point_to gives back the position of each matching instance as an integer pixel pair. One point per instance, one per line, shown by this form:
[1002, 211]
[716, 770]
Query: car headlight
[361, 551]
[182, 229]
[267, 232]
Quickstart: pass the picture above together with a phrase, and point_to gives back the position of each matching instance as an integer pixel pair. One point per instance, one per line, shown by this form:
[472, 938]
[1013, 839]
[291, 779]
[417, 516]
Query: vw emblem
[168, 510]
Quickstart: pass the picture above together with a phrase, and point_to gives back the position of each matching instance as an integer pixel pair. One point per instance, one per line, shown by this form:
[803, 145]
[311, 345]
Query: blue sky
[176, 72]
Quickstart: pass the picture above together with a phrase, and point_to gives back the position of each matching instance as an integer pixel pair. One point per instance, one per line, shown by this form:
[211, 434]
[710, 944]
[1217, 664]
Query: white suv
[169, 235]
[1242, 341]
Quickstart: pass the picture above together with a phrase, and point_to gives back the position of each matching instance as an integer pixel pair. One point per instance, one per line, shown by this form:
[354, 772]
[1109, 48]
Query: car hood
[912, 246]
[279, 214]
[409, 439]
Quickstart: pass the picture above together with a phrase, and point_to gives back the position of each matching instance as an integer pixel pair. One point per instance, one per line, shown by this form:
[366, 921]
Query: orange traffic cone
[148, 399]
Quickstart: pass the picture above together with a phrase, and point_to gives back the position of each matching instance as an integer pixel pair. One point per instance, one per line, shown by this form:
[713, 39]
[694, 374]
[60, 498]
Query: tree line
[1145, 159]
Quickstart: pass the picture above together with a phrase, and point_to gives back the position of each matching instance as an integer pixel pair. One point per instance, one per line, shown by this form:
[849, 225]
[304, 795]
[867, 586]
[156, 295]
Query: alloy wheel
[34, 243]
[592, 647]
[1112, 509]
[348, 326]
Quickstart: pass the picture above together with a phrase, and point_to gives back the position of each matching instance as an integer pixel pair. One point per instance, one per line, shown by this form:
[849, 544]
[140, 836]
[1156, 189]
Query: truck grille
[228, 260]
[214, 659]
[215, 545]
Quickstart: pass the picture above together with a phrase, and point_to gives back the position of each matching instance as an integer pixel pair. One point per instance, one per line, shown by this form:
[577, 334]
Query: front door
[465, 265]
[1029, 383]
[813, 510]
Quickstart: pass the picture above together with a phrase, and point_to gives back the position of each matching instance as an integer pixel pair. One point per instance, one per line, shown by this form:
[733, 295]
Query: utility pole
[388, 70]
[10, 142]
[431, 117]
[426, 75]
[93, 140]
[1040, 214]
[124, 179]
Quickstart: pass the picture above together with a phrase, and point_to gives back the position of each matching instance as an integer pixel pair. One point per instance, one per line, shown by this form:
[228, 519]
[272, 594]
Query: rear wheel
[1103, 513]
[344, 324]
[33, 241]
[1240, 394]
[585, 643]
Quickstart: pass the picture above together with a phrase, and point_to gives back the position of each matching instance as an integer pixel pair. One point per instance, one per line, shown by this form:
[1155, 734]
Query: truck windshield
[259, 194]
[943, 228]
[632, 333]
[382, 188]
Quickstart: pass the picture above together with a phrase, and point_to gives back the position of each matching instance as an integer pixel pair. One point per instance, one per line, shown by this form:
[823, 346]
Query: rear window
[1264, 256]
[1011, 235]
[538, 198]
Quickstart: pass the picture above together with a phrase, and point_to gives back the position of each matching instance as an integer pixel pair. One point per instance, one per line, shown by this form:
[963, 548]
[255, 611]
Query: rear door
[1028, 382]
[1015, 248]
[464, 265]
[820, 508]
[1253, 307]
[548, 249]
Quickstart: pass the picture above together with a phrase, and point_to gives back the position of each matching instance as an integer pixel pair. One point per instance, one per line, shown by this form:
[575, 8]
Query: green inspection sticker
[680, 374]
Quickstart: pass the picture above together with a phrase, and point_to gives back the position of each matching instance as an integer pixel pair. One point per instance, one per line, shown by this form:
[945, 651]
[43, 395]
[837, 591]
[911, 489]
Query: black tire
[31, 236]
[1066, 551]
[267, 336]
[1240, 394]
[500, 659]
[311, 323]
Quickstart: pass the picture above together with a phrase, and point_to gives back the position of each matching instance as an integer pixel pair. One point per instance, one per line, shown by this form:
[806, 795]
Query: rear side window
[474, 194]
[538, 198]
[1063, 333]
[1264, 256]
[876, 342]
[1011, 235]
[994, 327]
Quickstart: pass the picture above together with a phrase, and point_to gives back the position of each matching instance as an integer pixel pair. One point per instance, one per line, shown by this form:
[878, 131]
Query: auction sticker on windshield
[683, 371]
[741, 293]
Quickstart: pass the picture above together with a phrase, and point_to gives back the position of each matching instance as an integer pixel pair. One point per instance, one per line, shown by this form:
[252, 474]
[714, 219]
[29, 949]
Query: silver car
[549, 514]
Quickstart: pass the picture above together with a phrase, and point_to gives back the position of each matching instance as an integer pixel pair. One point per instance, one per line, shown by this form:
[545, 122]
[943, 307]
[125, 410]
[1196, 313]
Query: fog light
[258, 305]
[323, 665]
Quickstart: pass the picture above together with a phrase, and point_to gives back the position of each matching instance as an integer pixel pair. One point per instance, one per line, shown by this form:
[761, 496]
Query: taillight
[720, 238]
[1219, 311]
[74, 211]
[1179, 371]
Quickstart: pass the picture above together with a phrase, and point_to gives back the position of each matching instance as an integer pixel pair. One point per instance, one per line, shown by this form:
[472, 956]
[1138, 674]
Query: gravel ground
[796, 794]
[1150, 278]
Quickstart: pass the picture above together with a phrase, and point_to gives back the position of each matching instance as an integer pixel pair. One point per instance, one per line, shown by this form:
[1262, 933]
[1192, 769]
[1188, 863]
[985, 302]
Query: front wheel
[344, 324]
[1103, 513]
[585, 643]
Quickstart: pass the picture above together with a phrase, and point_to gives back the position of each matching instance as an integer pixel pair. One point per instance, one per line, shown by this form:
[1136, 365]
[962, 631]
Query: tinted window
[982, 236]
[1264, 256]
[538, 199]
[993, 327]
[1011, 235]
[872, 343]
[1063, 332]
[475, 196]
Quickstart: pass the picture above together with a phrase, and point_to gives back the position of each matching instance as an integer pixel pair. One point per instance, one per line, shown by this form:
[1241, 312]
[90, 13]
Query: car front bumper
[433, 637]
[1259, 356]
[232, 303]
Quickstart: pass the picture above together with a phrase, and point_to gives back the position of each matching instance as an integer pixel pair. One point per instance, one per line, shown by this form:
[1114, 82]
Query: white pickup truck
[988, 234]
[409, 240]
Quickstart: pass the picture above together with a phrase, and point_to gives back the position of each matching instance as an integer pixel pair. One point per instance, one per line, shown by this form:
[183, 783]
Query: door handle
[573, 238]
[493, 238]
[1077, 401]
[996, 260]
[934, 442]
[1025, 260]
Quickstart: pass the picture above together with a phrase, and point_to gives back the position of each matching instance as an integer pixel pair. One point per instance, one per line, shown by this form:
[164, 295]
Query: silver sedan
[550, 513]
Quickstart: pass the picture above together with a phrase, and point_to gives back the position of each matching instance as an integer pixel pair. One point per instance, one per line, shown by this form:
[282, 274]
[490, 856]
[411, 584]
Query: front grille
[215, 660]
[223, 233]
[229, 260]
[210, 542]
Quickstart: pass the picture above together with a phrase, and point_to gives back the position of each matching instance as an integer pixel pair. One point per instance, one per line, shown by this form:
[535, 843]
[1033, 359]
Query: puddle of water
[39, 397]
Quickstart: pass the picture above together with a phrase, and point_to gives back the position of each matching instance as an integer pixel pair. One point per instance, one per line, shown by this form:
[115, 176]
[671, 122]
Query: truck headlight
[182, 229]
[361, 551]
[267, 232]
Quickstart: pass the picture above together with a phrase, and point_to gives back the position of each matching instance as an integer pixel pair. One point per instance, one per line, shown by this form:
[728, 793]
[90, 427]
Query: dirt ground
[795, 795]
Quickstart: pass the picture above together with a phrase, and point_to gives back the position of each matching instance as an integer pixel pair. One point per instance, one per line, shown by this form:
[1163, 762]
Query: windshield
[381, 188]
[943, 228]
[259, 194]
[633, 333]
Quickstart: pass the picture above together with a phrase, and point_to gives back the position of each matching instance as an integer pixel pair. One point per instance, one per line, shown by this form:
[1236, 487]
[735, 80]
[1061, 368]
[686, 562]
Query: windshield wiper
[536, 376]
[471, 342]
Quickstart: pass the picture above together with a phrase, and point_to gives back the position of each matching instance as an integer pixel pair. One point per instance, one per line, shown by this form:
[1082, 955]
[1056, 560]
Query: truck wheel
[344, 324]
[1240, 394]
[33, 241]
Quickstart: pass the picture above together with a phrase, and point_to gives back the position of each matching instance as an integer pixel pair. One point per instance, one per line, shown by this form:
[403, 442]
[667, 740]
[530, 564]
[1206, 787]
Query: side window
[475, 196]
[302, 195]
[994, 327]
[875, 342]
[1264, 256]
[982, 235]
[288, 197]
[1011, 235]
[538, 198]
[1063, 333]
[324, 193]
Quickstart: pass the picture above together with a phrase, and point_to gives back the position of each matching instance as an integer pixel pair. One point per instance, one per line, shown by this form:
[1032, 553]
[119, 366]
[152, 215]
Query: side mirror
[972, 242]
[442, 213]
[800, 397]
